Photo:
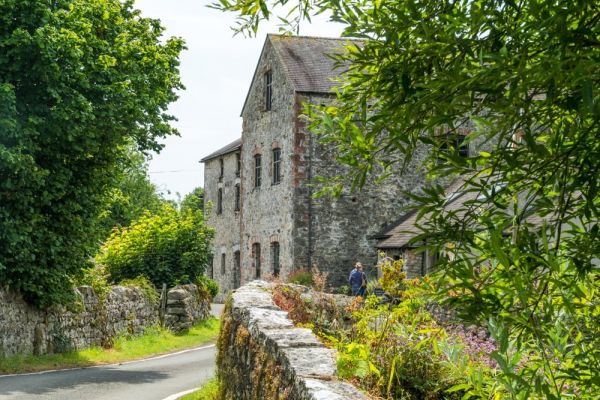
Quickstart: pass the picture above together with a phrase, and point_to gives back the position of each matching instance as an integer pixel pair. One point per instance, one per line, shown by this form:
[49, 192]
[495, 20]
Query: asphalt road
[152, 379]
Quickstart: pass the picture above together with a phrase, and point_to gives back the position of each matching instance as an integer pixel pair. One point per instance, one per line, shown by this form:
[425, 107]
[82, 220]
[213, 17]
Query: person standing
[358, 280]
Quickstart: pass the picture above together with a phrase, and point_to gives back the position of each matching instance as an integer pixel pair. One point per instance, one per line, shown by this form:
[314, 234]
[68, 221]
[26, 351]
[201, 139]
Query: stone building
[261, 186]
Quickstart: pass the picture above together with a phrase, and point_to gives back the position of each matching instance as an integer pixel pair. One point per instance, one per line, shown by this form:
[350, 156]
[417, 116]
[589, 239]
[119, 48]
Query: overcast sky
[216, 70]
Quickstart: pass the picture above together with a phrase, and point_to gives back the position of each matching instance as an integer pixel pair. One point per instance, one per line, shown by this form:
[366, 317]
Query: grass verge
[210, 391]
[126, 348]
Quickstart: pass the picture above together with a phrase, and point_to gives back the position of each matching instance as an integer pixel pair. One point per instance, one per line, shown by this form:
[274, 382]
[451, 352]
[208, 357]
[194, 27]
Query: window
[237, 197]
[276, 166]
[211, 272]
[256, 258]
[454, 144]
[275, 258]
[220, 201]
[268, 90]
[238, 164]
[236, 269]
[221, 169]
[257, 170]
[223, 264]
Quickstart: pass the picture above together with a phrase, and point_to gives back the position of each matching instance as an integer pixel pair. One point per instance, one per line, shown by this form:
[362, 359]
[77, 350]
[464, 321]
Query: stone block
[264, 319]
[297, 337]
[332, 390]
[177, 294]
[246, 299]
[311, 361]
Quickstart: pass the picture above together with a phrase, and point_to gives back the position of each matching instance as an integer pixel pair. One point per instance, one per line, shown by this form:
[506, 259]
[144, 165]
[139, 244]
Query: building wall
[341, 227]
[267, 214]
[226, 224]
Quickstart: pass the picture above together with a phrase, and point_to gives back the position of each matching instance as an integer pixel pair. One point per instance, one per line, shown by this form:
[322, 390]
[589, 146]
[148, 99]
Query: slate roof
[308, 61]
[398, 235]
[230, 148]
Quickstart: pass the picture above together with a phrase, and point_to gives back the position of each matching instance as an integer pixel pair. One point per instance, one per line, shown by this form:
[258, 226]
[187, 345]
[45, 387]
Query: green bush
[301, 277]
[166, 247]
[207, 284]
[146, 287]
[79, 80]
[96, 277]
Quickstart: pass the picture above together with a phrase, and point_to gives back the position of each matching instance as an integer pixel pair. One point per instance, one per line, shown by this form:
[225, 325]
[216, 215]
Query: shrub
[301, 277]
[393, 352]
[344, 289]
[393, 277]
[145, 286]
[209, 285]
[166, 247]
[96, 277]
[289, 299]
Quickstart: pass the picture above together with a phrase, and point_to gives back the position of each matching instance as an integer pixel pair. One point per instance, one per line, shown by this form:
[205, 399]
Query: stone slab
[332, 390]
[264, 319]
[311, 362]
[297, 337]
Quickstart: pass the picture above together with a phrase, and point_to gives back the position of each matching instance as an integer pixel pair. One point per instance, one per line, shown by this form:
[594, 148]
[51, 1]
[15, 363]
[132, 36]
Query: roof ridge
[228, 148]
[315, 37]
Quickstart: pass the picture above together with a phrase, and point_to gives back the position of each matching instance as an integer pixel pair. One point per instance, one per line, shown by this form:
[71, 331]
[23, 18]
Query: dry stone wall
[262, 355]
[91, 321]
[185, 306]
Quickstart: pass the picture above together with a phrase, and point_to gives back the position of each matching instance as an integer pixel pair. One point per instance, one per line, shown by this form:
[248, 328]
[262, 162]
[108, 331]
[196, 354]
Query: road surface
[152, 379]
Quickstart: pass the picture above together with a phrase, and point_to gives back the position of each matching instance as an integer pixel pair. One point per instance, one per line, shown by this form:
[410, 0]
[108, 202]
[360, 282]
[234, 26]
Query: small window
[223, 264]
[256, 258]
[257, 170]
[275, 258]
[210, 268]
[237, 197]
[238, 164]
[454, 143]
[276, 166]
[221, 169]
[236, 269]
[220, 201]
[268, 90]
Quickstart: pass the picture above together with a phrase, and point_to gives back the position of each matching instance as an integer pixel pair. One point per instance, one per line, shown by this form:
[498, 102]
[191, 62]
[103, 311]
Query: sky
[216, 70]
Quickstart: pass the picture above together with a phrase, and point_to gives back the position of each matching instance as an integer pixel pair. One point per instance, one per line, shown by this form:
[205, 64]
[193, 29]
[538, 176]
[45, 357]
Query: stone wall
[185, 306]
[338, 232]
[90, 321]
[263, 356]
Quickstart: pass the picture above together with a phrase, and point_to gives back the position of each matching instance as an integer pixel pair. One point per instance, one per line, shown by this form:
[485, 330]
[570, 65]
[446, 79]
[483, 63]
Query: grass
[210, 391]
[126, 348]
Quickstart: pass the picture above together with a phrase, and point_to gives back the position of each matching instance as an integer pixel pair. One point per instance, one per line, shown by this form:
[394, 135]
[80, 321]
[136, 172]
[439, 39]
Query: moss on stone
[244, 367]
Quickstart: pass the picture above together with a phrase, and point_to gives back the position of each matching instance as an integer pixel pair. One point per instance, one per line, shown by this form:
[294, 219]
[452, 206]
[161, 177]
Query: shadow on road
[48, 383]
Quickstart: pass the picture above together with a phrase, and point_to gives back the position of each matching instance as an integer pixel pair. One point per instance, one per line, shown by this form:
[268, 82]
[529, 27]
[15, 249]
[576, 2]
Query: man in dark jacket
[358, 280]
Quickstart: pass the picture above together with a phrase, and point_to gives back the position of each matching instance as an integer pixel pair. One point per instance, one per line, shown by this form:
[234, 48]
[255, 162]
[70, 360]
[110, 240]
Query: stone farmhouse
[261, 186]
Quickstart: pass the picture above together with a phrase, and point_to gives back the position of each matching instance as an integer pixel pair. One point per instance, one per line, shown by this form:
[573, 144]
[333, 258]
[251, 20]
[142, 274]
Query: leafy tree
[133, 195]
[166, 247]
[520, 80]
[79, 79]
[193, 201]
